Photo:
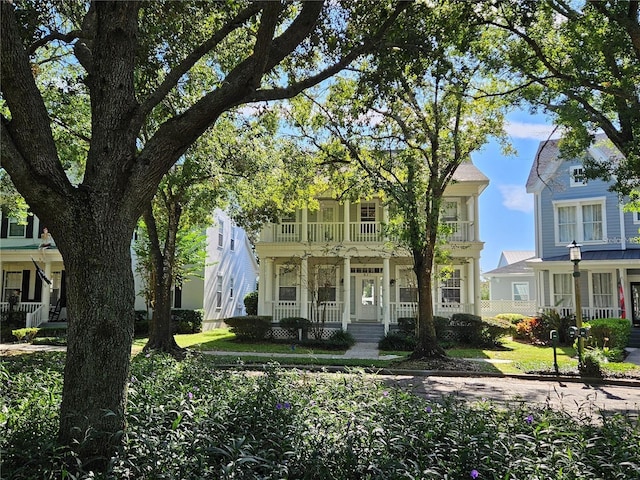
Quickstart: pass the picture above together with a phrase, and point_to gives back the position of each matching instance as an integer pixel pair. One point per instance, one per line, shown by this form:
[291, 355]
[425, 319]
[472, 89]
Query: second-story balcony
[361, 232]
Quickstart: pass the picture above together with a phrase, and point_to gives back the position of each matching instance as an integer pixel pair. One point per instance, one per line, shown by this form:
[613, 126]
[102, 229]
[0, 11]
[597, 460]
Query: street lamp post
[575, 255]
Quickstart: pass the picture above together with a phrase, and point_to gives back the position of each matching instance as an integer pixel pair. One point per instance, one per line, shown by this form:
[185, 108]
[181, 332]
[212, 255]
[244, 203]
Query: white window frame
[610, 296]
[576, 176]
[578, 204]
[406, 281]
[220, 233]
[453, 283]
[443, 210]
[283, 272]
[219, 292]
[15, 223]
[514, 295]
[232, 239]
[328, 273]
[566, 296]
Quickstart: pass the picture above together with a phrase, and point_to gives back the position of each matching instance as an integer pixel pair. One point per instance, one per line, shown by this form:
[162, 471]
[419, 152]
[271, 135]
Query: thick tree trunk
[427, 343]
[160, 333]
[100, 310]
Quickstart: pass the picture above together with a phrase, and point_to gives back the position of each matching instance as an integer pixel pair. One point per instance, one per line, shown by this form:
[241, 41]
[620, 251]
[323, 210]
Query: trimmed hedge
[398, 341]
[250, 327]
[251, 303]
[609, 332]
[293, 324]
[189, 321]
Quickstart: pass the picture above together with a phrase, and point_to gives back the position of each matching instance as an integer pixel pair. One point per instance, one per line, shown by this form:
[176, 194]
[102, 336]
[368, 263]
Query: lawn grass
[222, 340]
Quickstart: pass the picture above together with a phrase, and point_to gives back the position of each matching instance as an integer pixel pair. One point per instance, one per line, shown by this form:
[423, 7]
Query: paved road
[574, 397]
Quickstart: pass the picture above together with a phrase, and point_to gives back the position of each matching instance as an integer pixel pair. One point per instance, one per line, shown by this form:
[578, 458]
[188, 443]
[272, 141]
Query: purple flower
[287, 405]
[148, 355]
[428, 410]
[278, 406]
[385, 393]
[475, 473]
[529, 419]
[190, 395]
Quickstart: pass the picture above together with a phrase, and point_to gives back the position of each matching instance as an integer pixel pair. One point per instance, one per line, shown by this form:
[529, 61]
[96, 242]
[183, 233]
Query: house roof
[599, 255]
[516, 268]
[468, 172]
[512, 256]
[547, 159]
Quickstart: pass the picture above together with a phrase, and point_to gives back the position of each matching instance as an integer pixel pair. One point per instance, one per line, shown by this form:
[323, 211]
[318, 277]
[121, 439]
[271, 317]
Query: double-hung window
[520, 291]
[581, 220]
[562, 290]
[602, 289]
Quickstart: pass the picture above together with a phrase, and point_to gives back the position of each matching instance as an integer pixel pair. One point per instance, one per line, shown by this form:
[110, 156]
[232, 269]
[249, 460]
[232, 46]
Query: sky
[506, 209]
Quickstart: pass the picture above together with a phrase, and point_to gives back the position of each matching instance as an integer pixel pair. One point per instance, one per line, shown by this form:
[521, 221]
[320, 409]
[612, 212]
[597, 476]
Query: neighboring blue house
[569, 207]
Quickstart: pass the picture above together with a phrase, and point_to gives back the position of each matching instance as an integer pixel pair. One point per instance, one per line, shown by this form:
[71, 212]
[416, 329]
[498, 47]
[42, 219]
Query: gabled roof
[517, 268]
[468, 172]
[547, 159]
[513, 256]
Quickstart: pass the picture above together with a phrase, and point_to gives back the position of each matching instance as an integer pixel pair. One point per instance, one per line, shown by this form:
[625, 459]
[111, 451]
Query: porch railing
[491, 308]
[37, 317]
[365, 232]
[588, 313]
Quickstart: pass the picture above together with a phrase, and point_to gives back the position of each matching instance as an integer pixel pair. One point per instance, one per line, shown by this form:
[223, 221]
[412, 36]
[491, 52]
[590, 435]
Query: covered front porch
[348, 290]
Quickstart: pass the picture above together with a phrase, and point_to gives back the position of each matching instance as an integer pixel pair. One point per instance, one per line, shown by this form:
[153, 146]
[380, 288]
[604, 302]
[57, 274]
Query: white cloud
[536, 131]
[515, 197]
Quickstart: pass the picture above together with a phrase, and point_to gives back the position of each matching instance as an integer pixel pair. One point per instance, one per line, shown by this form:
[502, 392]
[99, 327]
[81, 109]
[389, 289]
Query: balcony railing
[361, 232]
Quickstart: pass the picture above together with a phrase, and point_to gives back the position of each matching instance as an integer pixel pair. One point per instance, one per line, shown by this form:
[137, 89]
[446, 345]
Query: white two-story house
[568, 208]
[335, 265]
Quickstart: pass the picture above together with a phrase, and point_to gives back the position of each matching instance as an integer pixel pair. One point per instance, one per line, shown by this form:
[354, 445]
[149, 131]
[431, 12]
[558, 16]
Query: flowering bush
[191, 420]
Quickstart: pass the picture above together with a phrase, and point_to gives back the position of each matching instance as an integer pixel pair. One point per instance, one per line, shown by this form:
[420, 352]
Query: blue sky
[506, 210]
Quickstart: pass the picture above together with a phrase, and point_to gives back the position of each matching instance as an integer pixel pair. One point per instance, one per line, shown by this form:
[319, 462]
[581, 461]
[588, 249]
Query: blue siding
[559, 189]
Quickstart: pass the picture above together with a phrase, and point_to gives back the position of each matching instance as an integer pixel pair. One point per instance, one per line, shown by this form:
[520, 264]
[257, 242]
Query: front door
[635, 303]
[367, 298]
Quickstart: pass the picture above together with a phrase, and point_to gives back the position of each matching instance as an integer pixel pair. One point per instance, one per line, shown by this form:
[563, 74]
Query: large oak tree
[134, 56]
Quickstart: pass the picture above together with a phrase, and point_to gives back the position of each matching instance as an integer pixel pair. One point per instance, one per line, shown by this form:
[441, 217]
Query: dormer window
[577, 175]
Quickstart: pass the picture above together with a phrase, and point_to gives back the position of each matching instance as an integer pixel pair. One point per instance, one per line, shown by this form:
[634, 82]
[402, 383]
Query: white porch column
[346, 307]
[46, 291]
[304, 287]
[477, 289]
[305, 233]
[476, 223]
[347, 226]
[385, 294]
[265, 306]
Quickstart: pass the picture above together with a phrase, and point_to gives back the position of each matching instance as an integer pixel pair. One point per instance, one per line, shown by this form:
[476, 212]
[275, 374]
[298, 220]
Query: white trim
[602, 201]
[572, 176]
[513, 284]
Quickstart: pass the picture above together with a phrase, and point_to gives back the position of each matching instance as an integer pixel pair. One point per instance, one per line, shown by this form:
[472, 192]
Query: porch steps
[634, 339]
[366, 332]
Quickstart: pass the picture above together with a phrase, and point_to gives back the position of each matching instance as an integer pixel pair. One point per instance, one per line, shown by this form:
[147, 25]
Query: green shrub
[26, 334]
[398, 341]
[513, 318]
[591, 364]
[466, 327]
[250, 327]
[10, 321]
[340, 339]
[609, 332]
[251, 303]
[189, 321]
[293, 324]
[551, 320]
[493, 329]
[441, 325]
[407, 325]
